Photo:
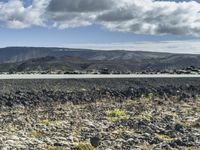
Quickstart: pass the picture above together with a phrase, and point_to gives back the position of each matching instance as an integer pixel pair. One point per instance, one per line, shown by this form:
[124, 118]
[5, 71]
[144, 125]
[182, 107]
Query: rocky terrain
[101, 114]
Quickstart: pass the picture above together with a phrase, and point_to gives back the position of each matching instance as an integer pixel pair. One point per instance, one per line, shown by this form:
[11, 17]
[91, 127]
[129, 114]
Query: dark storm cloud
[79, 5]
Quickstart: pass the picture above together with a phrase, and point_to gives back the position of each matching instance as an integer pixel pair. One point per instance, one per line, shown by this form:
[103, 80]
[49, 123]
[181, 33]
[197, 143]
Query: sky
[147, 25]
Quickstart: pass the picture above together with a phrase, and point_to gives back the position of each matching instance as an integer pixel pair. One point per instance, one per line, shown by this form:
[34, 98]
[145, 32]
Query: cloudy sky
[149, 25]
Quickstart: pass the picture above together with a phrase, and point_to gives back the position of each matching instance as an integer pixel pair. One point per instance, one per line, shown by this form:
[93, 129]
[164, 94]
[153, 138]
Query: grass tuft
[164, 137]
[36, 134]
[116, 115]
[84, 146]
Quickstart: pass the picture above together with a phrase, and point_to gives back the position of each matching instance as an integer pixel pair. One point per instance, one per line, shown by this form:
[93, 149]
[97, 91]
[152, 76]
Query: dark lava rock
[179, 128]
[9, 104]
[95, 141]
[58, 144]
[184, 96]
[27, 94]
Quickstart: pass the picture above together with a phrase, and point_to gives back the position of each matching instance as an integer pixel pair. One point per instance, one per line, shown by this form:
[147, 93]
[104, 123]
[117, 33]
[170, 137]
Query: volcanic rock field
[100, 114]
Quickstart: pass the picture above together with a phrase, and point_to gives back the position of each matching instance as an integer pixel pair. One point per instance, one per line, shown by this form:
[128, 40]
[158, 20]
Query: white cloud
[137, 16]
[153, 17]
[63, 20]
[13, 14]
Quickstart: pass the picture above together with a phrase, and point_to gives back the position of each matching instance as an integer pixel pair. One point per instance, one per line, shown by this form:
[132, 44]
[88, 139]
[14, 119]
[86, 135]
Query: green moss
[174, 115]
[191, 148]
[144, 146]
[52, 148]
[84, 146]
[44, 122]
[116, 115]
[144, 116]
[113, 119]
[116, 112]
[147, 99]
[36, 134]
[164, 137]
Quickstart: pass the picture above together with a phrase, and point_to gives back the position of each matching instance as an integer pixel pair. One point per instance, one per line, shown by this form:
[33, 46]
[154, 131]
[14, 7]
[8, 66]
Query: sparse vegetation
[164, 137]
[52, 148]
[84, 146]
[44, 122]
[116, 115]
[191, 148]
[36, 134]
[144, 116]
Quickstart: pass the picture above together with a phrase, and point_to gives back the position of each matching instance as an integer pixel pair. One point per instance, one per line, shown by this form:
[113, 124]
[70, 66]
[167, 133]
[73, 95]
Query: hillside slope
[29, 58]
[18, 54]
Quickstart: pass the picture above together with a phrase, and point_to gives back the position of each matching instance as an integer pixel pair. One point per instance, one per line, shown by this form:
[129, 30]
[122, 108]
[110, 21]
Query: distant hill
[18, 54]
[38, 58]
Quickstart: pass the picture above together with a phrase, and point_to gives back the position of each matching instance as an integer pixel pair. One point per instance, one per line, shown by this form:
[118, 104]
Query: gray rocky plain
[100, 114]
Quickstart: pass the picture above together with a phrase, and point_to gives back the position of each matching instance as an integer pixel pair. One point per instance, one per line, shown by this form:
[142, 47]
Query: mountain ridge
[17, 54]
[33, 58]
